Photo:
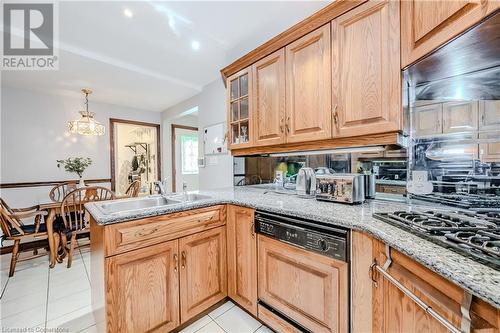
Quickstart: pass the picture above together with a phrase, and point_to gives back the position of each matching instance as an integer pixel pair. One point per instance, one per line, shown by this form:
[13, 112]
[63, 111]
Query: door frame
[112, 122]
[172, 143]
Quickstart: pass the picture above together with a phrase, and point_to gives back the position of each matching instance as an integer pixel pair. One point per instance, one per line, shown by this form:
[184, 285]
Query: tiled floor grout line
[5, 287]
[221, 313]
[85, 266]
[216, 323]
[78, 309]
[86, 328]
[258, 328]
[205, 324]
[47, 301]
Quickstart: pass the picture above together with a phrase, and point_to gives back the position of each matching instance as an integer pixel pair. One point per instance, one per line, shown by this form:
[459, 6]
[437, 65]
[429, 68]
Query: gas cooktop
[471, 234]
[474, 202]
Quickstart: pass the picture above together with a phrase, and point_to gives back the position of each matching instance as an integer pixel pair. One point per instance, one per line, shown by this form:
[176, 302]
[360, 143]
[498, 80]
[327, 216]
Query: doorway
[184, 158]
[135, 155]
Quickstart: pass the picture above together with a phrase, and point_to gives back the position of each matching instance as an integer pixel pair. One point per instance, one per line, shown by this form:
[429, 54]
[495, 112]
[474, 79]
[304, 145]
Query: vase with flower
[76, 165]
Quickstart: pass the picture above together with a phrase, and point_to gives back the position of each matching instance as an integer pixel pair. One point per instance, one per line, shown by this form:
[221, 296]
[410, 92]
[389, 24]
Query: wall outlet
[419, 183]
[420, 176]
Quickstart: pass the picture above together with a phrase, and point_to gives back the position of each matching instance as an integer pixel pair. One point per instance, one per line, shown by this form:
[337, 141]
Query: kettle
[306, 183]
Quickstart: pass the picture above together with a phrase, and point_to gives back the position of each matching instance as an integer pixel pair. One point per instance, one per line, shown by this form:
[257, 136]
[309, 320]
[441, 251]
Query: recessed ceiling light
[127, 12]
[195, 45]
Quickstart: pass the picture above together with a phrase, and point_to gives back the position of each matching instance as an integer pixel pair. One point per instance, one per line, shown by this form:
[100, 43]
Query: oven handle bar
[426, 307]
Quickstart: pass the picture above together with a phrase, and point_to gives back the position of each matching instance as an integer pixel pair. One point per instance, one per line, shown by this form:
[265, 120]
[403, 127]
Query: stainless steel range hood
[468, 67]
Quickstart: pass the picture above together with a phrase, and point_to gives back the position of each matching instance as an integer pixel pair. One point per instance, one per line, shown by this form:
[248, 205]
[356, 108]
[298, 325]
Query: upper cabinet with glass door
[239, 113]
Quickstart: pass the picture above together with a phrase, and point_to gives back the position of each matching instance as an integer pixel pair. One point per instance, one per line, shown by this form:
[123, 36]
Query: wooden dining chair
[133, 189]
[15, 230]
[58, 192]
[76, 221]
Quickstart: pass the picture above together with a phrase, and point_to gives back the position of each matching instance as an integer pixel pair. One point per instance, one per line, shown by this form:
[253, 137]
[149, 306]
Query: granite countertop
[391, 182]
[478, 279]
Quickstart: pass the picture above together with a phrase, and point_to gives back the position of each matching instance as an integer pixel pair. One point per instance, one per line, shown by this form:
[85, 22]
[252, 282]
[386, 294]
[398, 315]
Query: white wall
[211, 103]
[33, 137]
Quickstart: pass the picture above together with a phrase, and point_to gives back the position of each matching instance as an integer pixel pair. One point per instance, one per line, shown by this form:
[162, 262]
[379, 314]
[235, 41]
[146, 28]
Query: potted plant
[76, 165]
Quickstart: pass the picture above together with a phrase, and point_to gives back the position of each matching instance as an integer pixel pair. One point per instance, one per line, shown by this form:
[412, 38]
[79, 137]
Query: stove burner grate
[474, 235]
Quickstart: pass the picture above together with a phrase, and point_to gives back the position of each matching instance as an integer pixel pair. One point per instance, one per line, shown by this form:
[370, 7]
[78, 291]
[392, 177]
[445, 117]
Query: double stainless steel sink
[127, 205]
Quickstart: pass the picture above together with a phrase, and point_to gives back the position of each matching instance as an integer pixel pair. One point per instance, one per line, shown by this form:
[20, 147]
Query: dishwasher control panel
[331, 242]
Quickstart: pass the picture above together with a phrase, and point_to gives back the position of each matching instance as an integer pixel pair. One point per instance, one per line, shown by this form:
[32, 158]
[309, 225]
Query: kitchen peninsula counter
[478, 279]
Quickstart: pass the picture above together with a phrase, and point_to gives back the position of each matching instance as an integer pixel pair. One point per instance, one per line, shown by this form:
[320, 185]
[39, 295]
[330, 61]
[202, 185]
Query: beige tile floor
[58, 300]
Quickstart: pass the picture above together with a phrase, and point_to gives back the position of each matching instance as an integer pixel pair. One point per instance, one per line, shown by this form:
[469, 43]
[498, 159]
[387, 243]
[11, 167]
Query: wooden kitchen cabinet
[123, 237]
[427, 119]
[460, 116]
[308, 87]
[366, 70]
[399, 153]
[489, 125]
[242, 257]
[268, 96]
[392, 189]
[426, 25]
[489, 152]
[239, 103]
[444, 118]
[203, 271]
[308, 287]
[155, 273]
[489, 115]
[142, 289]
[379, 306]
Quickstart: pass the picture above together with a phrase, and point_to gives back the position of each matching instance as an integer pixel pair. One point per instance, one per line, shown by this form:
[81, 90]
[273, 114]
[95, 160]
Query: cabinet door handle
[371, 274]
[176, 262]
[141, 233]
[282, 130]
[205, 219]
[287, 124]
[252, 229]
[335, 115]
[183, 258]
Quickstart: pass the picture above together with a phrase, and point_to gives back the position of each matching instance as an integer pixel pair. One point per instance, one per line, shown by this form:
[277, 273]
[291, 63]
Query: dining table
[54, 209]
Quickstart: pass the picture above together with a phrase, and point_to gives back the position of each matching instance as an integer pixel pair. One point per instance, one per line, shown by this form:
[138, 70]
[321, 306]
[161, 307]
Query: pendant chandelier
[86, 125]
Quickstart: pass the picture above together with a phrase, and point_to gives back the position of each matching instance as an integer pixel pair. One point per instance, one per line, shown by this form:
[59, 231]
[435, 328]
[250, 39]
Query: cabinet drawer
[393, 189]
[127, 236]
[396, 153]
[275, 322]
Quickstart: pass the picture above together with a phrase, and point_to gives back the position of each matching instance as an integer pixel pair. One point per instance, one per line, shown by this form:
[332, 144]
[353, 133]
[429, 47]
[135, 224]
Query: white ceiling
[146, 61]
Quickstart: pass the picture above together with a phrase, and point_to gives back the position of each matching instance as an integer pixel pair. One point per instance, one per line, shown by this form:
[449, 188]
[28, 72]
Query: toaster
[341, 187]
[306, 183]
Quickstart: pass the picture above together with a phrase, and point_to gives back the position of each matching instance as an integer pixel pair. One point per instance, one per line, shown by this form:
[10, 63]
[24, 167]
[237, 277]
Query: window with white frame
[189, 154]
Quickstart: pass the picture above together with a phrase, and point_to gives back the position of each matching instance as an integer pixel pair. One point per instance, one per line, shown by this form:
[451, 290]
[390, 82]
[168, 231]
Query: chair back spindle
[73, 205]
[7, 221]
[133, 189]
[58, 192]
